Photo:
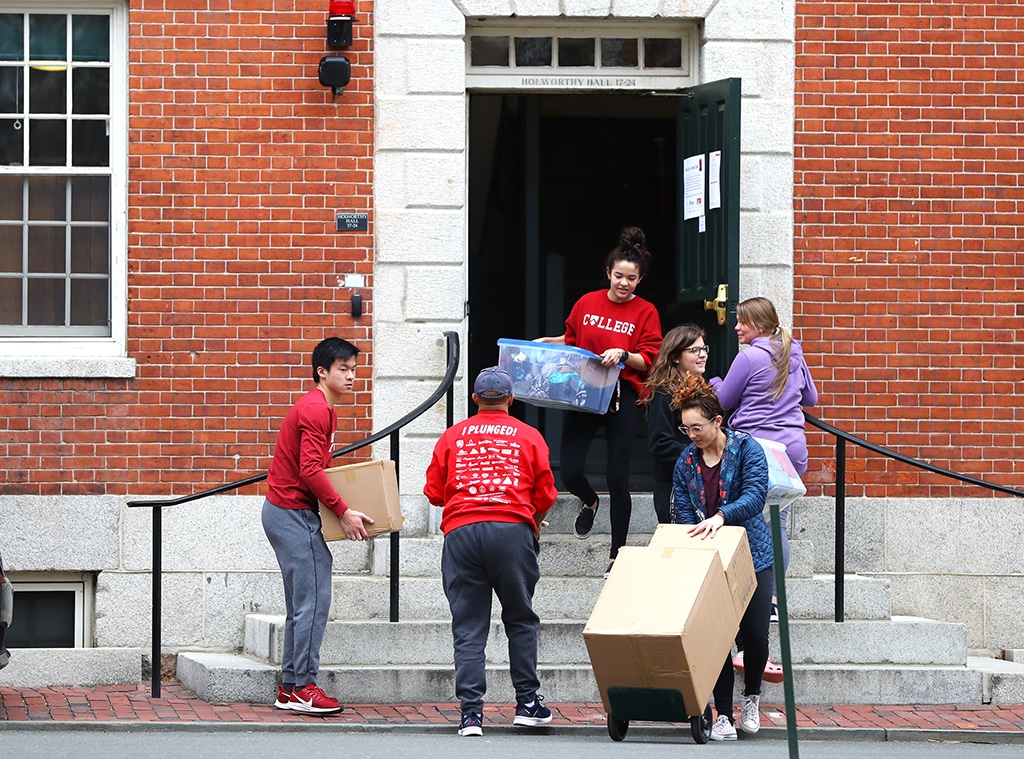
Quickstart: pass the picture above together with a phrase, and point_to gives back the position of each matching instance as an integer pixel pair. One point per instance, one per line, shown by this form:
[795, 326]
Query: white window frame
[92, 356]
[81, 584]
[583, 78]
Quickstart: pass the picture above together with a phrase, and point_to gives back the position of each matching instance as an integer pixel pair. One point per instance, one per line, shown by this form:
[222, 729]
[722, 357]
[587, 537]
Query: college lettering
[612, 325]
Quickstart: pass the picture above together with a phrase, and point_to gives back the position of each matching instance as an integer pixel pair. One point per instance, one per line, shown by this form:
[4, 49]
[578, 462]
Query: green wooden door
[708, 182]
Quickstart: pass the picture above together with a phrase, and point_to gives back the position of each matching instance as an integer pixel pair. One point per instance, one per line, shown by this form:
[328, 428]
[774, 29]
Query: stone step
[560, 555]
[898, 641]
[367, 597]
[236, 678]
[902, 641]
[72, 667]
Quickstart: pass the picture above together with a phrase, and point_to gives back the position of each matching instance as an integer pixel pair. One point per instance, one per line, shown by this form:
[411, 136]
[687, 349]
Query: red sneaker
[311, 700]
[284, 699]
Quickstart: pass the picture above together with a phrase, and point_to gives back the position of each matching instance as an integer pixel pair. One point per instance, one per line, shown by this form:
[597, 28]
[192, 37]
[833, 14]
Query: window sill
[37, 366]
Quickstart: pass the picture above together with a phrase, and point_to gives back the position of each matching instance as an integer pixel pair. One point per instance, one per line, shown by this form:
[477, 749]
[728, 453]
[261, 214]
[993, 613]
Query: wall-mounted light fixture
[339, 23]
[334, 72]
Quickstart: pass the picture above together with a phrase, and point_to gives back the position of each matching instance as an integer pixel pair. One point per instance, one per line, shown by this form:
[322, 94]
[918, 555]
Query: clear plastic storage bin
[558, 376]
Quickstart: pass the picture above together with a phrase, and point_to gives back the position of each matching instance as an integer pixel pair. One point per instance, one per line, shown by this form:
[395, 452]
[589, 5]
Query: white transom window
[580, 56]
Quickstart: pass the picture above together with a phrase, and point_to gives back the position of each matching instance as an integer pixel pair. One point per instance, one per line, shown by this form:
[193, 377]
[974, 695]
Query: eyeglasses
[694, 429]
[696, 350]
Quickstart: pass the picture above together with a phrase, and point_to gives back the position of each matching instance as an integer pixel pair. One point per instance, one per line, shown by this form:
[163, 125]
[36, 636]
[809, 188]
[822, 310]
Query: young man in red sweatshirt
[291, 520]
[492, 474]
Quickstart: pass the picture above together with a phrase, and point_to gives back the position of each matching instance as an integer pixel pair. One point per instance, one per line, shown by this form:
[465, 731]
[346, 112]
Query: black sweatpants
[619, 429]
[754, 632]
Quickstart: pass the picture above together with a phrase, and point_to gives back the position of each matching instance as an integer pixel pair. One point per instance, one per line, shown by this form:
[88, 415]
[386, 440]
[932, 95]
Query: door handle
[718, 305]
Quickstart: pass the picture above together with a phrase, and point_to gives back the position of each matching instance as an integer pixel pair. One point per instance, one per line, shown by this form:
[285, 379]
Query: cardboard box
[733, 549]
[370, 487]
[558, 376]
[664, 619]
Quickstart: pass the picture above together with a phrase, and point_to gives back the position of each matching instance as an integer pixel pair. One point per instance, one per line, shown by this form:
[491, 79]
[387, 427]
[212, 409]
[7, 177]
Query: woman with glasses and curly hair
[683, 350]
[721, 478]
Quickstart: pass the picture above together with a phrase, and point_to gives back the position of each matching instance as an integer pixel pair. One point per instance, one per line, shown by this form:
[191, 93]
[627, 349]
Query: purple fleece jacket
[746, 394]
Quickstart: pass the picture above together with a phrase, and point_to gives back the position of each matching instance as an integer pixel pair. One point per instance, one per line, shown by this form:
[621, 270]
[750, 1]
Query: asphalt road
[220, 744]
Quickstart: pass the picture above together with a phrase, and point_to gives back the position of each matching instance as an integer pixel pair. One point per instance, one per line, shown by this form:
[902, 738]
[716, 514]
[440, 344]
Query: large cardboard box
[370, 487]
[664, 619]
[733, 549]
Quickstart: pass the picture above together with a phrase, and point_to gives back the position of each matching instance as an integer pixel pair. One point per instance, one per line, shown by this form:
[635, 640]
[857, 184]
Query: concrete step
[237, 678]
[899, 641]
[72, 667]
[410, 643]
[814, 597]
[367, 597]
[560, 555]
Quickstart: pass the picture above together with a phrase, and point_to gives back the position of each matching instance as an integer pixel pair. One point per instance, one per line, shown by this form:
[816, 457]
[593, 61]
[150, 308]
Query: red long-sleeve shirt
[597, 323]
[490, 468]
[303, 450]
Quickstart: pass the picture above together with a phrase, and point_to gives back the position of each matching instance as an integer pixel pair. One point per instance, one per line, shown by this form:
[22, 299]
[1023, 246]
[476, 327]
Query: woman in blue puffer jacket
[721, 478]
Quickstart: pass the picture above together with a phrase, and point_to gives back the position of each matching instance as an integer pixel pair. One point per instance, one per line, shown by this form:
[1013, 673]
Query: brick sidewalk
[124, 704]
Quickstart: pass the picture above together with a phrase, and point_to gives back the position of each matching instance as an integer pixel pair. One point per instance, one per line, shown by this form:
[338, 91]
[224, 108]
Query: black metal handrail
[447, 387]
[845, 437]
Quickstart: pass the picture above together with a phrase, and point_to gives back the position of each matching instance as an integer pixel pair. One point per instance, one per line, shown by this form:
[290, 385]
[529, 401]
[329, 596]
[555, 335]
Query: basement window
[51, 611]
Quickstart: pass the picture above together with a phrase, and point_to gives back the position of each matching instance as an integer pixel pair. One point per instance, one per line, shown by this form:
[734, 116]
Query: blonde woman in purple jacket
[765, 389]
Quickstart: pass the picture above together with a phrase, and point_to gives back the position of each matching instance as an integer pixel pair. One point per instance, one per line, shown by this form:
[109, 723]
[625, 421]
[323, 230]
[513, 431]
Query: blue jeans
[476, 559]
[305, 562]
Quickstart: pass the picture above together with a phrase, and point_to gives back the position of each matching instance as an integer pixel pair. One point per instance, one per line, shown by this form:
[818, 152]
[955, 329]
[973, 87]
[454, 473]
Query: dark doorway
[553, 179]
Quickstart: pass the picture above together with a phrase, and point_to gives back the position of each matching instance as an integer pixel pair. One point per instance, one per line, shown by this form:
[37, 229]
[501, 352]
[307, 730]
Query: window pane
[12, 142]
[47, 37]
[11, 93]
[90, 145]
[48, 91]
[46, 302]
[46, 619]
[89, 302]
[46, 199]
[619, 52]
[90, 199]
[663, 53]
[46, 250]
[10, 249]
[47, 142]
[12, 37]
[10, 198]
[575, 52]
[10, 301]
[89, 251]
[90, 91]
[488, 51]
[533, 51]
[90, 38]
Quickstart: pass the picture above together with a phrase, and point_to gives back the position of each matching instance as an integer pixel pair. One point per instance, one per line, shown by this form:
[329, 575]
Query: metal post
[157, 573]
[787, 659]
[394, 538]
[840, 559]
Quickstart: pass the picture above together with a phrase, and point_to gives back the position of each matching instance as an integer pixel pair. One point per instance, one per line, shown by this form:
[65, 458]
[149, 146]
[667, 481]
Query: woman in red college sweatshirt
[620, 327]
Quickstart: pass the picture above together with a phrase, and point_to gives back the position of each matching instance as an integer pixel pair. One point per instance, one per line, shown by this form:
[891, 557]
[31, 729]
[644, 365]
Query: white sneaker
[750, 717]
[723, 730]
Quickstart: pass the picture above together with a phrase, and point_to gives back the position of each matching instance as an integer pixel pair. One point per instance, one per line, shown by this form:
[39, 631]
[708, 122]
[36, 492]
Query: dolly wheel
[700, 727]
[617, 728]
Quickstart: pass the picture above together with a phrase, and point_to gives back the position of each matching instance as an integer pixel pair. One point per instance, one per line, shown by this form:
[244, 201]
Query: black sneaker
[533, 714]
[472, 724]
[585, 521]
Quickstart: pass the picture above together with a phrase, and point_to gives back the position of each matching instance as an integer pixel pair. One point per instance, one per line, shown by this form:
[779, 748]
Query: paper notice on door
[693, 186]
[714, 179]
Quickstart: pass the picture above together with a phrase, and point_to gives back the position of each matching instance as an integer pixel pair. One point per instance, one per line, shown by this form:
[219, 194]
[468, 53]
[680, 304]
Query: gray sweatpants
[305, 562]
[476, 559]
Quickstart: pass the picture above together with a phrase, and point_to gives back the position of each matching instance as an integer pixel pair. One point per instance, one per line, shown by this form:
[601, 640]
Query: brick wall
[238, 162]
[909, 249]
